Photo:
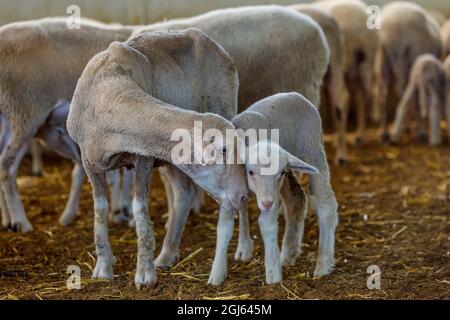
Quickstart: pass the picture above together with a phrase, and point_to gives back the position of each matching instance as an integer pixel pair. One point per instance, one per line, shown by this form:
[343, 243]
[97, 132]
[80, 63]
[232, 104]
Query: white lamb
[300, 137]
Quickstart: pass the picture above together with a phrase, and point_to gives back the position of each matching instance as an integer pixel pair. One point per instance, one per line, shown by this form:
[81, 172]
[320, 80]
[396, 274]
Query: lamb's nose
[267, 204]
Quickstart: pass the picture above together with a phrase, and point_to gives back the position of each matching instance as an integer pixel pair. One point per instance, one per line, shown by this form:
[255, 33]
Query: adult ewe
[41, 62]
[132, 98]
[361, 43]
[334, 90]
[407, 31]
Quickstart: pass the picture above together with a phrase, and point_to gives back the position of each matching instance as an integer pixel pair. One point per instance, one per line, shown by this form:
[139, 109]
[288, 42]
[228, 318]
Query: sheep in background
[41, 61]
[407, 31]
[428, 90]
[133, 97]
[360, 45]
[300, 137]
[334, 91]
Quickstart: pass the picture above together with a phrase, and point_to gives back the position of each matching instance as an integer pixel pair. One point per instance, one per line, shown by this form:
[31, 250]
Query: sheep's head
[214, 166]
[266, 166]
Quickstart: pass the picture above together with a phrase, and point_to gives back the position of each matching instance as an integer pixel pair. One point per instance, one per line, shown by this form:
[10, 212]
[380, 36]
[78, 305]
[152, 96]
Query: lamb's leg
[434, 119]
[325, 206]
[224, 234]
[268, 225]
[70, 211]
[383, 82]
[295, 200]
[36, 156]
[145, 271]
[199, 200]
[4, 137]
[244, 249]
[105, 259]
[9, 162]
[183, 195]
[169, 193]
[401, 112]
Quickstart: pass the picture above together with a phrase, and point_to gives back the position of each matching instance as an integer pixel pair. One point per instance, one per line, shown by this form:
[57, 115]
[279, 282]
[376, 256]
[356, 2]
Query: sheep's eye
[282, 173]
[212, 139]
[251, 173]
[224, 151]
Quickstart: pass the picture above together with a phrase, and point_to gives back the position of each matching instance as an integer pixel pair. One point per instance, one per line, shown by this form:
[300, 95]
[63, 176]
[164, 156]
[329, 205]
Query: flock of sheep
[109, 97]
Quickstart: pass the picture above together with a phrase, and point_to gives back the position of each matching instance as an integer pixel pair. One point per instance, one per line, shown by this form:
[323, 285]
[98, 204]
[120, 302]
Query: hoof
[244, 251]
[145, 278]
[37, 174]
[119, 217]
[22, 227]
[341, 162]
[423, 139]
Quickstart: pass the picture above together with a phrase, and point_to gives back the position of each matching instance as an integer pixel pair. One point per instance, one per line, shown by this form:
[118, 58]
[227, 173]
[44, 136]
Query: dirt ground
[394, 213]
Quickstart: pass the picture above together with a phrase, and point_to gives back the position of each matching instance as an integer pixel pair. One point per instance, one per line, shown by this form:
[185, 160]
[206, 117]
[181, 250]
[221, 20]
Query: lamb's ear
[296, 164]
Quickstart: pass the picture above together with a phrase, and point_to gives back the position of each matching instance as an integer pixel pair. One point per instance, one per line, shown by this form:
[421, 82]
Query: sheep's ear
[296, 164]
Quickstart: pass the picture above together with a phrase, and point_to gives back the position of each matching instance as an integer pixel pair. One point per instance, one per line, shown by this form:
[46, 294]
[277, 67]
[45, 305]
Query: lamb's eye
[251, 173]
[224, 150]
[282, 173]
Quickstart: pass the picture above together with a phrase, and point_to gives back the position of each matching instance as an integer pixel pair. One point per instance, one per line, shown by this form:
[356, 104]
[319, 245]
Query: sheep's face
[266, 183]
[219, 174]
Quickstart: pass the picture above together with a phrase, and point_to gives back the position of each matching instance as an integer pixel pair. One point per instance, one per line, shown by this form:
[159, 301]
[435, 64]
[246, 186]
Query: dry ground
[394, 213]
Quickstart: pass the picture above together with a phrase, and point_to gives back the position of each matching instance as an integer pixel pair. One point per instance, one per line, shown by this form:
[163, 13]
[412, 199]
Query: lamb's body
[132, 97]
[334, 91]
[360, 45]
[300, 133]
[275, 49]
[41, 62]
[428, 90]
[407, 31]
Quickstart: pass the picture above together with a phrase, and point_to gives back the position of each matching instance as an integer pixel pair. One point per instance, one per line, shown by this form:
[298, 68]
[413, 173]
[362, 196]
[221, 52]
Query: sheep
[261, 41]
[360, 45]
[334, 91]
[445, 37]
[300, 137]
[30, 87]
[428, 90]
[133, 97]
[275, 49]
[407, 31]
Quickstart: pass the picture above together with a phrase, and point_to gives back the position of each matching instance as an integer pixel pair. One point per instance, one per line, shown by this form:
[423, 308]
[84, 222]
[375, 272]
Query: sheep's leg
[145, 271]
[113, 179]
[268, 225]
[169, 193]
[183, 195]
[9, 163]
[325, 206]
[383, 82]
[36, 156]
[125, 194]
[339, 105]
[4, 137]
[5, 215]
[70, 211]
[447, 112]
[434, 119]
[295, 200]
[362, 103]
[105, 259]
[199, 200]
[422, 111]
[224, 234]
[244, 249]
[401, 112]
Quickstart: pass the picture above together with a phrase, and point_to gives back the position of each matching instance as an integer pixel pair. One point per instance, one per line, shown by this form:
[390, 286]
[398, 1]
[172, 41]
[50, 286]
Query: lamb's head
[215, 168]
[266, 165]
